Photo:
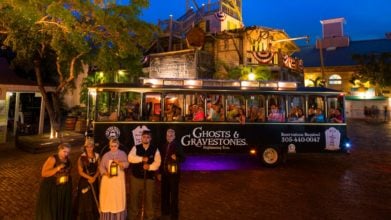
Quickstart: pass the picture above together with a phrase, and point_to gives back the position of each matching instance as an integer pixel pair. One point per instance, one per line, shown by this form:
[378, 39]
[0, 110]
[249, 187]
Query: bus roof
[124, 87]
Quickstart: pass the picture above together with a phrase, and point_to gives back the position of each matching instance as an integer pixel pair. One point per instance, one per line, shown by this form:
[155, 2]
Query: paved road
[308, 186]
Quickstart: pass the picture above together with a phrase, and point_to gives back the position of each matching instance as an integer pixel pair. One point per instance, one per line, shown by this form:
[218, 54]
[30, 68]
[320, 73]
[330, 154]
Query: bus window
[194, 107]
[173, 105]
[335, 113]
[152, 107]
[130, 106]
[107, 105]
[256, 108]
[276, 108]
[235, 108]
[296, 104]
[316, 109]
[214, 108]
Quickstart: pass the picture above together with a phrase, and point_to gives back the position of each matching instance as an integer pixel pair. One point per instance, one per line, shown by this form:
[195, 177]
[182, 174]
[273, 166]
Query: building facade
[330, 63]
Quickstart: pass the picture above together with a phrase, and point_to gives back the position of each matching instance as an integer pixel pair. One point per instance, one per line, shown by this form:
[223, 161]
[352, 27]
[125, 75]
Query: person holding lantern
[112, 197]
[87, 193]
[145, 160]
[55, 193]
[172, 155]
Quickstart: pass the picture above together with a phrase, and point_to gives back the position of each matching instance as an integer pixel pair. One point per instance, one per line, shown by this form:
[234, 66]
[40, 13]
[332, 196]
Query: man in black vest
[145, 160]
[172, 155]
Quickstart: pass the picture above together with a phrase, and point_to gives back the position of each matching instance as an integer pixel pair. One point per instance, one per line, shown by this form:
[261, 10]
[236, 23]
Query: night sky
[365, 19]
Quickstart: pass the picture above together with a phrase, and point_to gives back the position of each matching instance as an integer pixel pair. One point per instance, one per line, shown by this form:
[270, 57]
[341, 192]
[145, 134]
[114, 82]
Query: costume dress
[112, 198]
[87, 207]
[55, 199]
[170, 181]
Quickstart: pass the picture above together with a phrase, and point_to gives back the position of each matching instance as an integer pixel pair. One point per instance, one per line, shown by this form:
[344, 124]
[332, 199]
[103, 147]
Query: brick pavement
[20, 178]
[20, 174]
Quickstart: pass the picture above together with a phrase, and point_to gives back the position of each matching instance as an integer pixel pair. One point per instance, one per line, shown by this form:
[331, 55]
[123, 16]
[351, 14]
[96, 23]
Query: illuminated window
[335, 80]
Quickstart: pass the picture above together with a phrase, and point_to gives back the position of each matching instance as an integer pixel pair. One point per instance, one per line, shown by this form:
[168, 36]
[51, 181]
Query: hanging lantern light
[113, 169]
[62, 177]
[172, 167]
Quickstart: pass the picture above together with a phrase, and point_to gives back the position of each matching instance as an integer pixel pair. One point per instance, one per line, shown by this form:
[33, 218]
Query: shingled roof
[342, 56]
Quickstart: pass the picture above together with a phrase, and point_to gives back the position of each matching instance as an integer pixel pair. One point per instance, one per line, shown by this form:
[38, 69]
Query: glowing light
[121, 72]
[251, 76]
[253, 152]
[92, 92]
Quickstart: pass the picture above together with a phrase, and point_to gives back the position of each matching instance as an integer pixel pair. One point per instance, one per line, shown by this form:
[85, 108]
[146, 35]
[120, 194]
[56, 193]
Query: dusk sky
[365, 19]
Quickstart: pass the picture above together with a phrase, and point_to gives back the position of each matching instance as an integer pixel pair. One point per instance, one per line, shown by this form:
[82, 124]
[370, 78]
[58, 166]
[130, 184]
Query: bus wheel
[270, 156]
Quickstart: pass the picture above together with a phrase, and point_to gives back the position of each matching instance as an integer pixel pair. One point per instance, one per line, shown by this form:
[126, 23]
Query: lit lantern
[113, 169]
[62, 178]
[172, 167]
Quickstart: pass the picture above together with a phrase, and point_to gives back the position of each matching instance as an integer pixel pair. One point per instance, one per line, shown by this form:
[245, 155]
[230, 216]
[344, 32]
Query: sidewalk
[42, 143]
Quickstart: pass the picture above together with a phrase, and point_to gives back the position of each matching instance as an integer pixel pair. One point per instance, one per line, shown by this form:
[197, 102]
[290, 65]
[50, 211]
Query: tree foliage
[73, 34]
[375, 68]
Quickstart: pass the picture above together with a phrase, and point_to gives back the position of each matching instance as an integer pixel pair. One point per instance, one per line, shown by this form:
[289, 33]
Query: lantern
[172, 167]
[113, 169]
[62, 178]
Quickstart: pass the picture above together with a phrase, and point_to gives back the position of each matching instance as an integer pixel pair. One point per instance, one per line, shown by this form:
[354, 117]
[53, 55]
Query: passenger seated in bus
[232, 113]
[210, 112]
[131, 112]
[337, 117]
[241, 117]
[318, 117]
[297, 115]
[253, 114]
[275, 115]
[220, 116]
[261, 115]
[311, 114]
[169, 112]
[198, 114]
[177, 114]
[113, 116]
[189, 115]
[103, 116]
[331, 114]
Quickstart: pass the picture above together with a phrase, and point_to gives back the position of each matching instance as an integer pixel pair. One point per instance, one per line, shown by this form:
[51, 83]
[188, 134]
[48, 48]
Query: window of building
[335, 80]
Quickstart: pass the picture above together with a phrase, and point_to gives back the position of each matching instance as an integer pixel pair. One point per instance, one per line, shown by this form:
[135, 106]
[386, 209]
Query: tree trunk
[52, 107]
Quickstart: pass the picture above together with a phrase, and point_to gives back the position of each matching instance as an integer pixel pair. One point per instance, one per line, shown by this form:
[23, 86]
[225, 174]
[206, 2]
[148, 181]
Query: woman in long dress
[112, 188]
[55, 193]
[88, 187]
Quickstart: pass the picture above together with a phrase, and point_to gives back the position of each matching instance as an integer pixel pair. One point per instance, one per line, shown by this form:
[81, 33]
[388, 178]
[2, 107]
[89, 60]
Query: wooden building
[214, 34]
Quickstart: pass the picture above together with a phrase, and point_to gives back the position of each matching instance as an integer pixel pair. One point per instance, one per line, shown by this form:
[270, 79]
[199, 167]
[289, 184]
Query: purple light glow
[219, 162]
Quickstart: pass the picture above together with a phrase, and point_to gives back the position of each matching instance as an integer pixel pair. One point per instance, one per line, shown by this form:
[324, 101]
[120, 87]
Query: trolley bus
[267, 119]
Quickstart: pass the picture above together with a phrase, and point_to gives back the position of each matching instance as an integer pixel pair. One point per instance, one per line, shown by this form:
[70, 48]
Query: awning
[360, 98]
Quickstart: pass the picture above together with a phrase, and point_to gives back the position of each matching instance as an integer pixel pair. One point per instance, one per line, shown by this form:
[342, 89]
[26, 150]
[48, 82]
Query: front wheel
[270, 156]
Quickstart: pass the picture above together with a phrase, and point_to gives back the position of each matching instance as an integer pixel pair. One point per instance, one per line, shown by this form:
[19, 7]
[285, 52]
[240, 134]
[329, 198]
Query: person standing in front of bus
[112, 196]
[145, 159]
[173, 155]
[55, 192]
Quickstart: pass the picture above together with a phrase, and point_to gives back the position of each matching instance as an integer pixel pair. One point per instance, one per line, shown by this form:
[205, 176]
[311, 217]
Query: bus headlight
[253, 151]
